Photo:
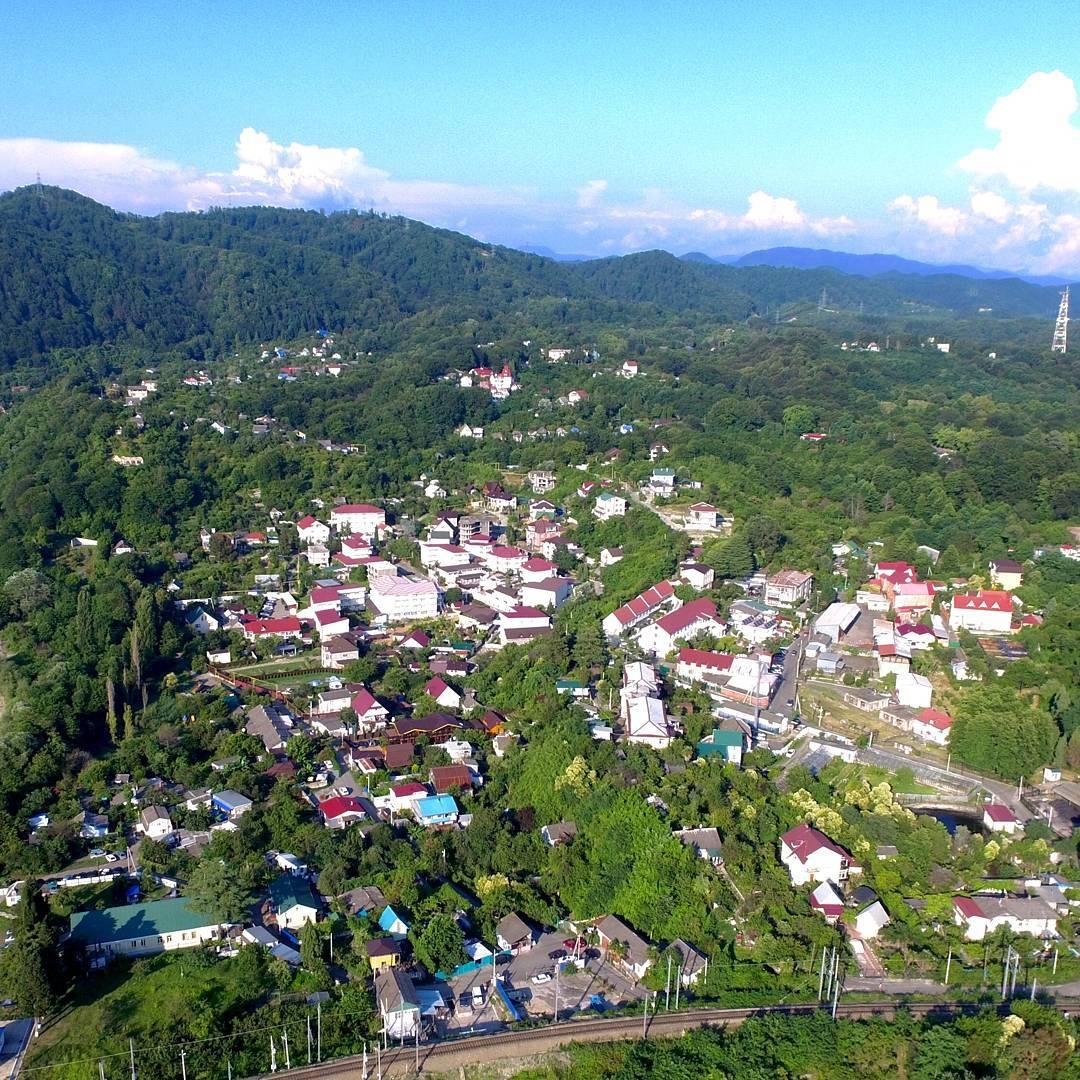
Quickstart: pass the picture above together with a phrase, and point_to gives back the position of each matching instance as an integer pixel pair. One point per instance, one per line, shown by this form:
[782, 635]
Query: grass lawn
[142, 1000]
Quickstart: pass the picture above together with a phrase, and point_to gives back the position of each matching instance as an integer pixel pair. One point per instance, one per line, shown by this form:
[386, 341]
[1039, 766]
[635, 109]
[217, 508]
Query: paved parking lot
[576, 988]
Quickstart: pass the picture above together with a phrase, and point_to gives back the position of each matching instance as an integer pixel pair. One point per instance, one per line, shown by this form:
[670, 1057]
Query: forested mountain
[74, 273]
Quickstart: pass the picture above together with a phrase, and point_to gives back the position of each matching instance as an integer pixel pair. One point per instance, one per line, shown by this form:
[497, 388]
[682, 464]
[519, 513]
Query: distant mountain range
[798, 258]
[863, 265]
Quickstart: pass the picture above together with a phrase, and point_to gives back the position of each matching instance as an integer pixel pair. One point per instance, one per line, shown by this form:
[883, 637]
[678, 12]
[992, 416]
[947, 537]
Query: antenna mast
[1061, 327]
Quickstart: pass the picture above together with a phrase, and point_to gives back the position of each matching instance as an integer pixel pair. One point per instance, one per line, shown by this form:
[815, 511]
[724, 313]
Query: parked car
[574, 944]
[477, 996]
[97, 853]
[557, 954]
[541, 977]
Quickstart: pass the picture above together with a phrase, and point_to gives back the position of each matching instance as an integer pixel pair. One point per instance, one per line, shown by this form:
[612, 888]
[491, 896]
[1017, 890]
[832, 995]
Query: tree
[995, 730]
[311, 953]
[220, 890]
[731, 558]
[25, 964]
[440, 946]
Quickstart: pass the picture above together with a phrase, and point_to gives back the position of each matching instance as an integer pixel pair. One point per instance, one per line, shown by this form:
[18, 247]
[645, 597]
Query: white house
[696, 575]
[872, 920]
[401, 599]
[999, 818]
[636, 611]
[647, 723]
[609, 505]
[913, 690]
[446, 697]
[810, 855]
[294, 903]
[1006, 574]
[788, 588]
[398, 1003]
[1023, 915]
[697, 617]
[143, 929]
[703, 515]
[312, 531]
[983, 612]
[360, 519]
[827, 901]
[552, 592]
[155, 823]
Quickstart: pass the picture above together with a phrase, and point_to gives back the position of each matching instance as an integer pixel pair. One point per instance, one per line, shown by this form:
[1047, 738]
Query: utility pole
[1034, 984]
[183, 1064]
[285, 1041]
[836, 992]
[417, 1049]
[131, 1049]
[821, 974]
[645, 1018]
[667, 986]
[1055, 960]
[318, 1013]
[273, 1055]
[101, 1070]
[378, 1055]
[555, 1018]
[309, 1039]
[678, 987]
[948, 965]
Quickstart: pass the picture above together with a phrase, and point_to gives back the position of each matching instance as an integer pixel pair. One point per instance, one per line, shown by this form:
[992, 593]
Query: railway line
[450, 1055]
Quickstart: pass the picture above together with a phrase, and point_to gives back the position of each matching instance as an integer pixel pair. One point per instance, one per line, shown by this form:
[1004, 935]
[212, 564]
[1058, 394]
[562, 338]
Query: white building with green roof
[143, 929]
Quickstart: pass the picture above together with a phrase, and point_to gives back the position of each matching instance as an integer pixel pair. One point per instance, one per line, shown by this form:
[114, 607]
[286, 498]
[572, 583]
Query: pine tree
[110, 706]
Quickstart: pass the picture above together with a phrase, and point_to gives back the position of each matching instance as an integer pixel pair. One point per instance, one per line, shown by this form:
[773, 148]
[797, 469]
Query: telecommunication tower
[1061, 327]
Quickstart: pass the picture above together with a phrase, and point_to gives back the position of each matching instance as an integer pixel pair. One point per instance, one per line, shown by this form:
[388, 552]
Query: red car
[574, 945]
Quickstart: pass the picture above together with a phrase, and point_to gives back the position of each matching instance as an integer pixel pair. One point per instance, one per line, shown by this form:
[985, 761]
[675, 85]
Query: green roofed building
[294, 901]
[727, 742]
[141, 929]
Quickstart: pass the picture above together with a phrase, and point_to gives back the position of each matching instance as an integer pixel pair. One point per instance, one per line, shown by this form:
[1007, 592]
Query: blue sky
[591, 127]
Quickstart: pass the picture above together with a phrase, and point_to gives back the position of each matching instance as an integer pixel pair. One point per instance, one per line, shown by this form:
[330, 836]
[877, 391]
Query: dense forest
[74, 273]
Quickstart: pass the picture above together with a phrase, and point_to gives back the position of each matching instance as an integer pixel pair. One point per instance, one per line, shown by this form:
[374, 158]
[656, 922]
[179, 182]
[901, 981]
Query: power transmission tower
[1061, 327]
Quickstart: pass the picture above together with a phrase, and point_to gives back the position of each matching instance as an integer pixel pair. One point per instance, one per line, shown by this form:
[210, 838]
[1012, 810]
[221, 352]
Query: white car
[540, 978]
[111, 857]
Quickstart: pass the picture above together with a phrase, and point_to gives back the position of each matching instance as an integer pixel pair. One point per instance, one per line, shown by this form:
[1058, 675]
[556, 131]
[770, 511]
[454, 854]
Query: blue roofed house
[390, 922]
[435, 810]
[230, 803]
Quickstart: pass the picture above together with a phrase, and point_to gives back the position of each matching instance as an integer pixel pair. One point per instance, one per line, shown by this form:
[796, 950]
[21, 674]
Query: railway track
[485, 1049]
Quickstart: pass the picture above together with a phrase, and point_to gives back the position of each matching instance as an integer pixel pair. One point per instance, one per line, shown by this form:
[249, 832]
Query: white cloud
[927, 211]
[773, 214]
[590, 193]
[1038, 144]
[298, 174]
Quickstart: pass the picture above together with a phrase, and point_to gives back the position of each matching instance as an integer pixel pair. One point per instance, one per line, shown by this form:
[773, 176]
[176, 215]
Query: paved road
[16, 1036]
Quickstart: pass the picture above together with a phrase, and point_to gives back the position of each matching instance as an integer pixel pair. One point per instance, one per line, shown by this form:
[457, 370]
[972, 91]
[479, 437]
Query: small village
[353, 671]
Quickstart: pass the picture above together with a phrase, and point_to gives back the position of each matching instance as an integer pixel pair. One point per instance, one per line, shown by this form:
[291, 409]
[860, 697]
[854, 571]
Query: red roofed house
[418, 639]
[699, 665]
[932, 725]
[330, 623]
[537, 569]
[810, 855]
[640, 608]
[360, 519]
[896, 572]
[312, 531]
[983, 612]
[697, 617]
[401, 795]
[911, 596]
[703, 515]
[370, 713]
[256, 629]
[438, 727]
[827, 901]
[446, 779]
[445, 695]
[342, 810]
[998, 818]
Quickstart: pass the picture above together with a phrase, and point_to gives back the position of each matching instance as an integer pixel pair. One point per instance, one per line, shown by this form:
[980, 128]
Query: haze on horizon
[596, 130]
